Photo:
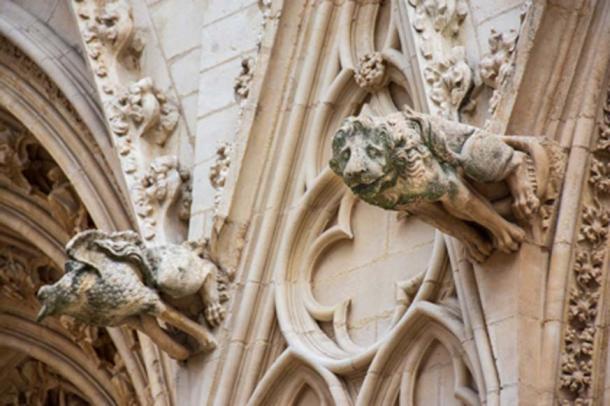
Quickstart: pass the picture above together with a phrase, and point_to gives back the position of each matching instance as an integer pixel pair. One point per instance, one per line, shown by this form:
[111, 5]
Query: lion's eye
[345, 155]
[373, 152]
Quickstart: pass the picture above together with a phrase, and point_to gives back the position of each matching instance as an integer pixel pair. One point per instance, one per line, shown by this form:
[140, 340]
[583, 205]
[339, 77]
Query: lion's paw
[509, 238]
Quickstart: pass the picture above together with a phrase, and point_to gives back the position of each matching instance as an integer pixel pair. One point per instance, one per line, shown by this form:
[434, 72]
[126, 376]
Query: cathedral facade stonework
[304, 202]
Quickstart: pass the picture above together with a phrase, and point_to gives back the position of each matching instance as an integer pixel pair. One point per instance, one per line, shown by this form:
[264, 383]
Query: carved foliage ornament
[449, 78]
[580, 336]
[433, 168]
[141, 110]
[109, 33]
[498, 65]
[114, 279]
[27, 168]
[371, 72]
[241, 87]
[160, 188]
[138, 113]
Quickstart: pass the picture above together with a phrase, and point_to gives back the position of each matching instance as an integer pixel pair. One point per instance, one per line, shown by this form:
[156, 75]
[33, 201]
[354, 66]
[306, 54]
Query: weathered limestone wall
[230, 32]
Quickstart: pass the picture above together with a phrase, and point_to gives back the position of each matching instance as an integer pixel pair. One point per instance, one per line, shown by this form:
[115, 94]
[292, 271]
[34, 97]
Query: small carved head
[56, 298]
[362, 150]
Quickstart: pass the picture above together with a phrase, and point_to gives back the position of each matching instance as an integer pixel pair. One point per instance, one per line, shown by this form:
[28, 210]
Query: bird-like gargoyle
[114, 279]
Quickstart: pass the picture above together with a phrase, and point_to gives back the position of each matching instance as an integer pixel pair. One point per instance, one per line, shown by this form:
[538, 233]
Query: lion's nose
[354, 174]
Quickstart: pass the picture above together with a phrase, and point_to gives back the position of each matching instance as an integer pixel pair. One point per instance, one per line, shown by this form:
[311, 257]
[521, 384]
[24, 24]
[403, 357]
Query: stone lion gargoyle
[446, 173]
[113, 279]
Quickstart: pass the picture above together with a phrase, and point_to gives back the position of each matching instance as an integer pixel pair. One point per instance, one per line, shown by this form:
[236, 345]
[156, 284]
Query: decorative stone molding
[241, 86]
[498, 65]
[14, 157]
[114, 279]
[142, 111]
[160, 188]
[31, 382]
[581, 344]
[371, 71]
[19, 273]
[109, 34]
[449, 79]
[220, 169]
[27, 168]
[409, 161]
[444, 17]
[138, 113]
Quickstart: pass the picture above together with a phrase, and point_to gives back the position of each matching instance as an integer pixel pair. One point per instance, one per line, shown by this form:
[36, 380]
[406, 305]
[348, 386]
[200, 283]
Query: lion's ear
[418, 118]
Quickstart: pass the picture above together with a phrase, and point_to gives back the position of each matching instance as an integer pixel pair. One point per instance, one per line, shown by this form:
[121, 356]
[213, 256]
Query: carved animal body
[104, 297]
[430, 167]
[113, 279]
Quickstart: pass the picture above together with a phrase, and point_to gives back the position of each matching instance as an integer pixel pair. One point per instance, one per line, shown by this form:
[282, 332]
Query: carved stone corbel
[442, 171]
[115, 279]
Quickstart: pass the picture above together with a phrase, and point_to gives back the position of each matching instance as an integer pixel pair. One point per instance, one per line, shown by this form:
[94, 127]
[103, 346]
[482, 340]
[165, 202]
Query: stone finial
[429, 167]
[113, 279]
[371, 71]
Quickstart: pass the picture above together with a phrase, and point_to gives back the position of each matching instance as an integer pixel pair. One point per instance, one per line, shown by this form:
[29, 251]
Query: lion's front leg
[435, 214]
[466, 204]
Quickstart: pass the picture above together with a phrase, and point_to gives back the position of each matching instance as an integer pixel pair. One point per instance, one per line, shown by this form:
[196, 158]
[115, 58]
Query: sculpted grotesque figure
[114, 279]
[446, 173]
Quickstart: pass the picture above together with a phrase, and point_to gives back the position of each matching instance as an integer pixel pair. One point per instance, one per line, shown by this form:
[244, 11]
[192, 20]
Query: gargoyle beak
[42, 314]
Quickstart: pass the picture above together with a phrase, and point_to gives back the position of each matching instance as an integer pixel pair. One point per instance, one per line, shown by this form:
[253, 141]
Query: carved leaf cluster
[136, 110]
[159, 188]
[498, 65]
[588, 271]
[220, 169]
[448, 76]
[241, 87]
[450, 80]
[371, 71]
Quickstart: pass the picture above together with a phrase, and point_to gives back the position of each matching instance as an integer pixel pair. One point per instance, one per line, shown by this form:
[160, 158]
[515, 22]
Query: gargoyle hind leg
[181, 322]
[435, 214]
[467, 204]
[149, 326]
[213, 311]
[521, 184]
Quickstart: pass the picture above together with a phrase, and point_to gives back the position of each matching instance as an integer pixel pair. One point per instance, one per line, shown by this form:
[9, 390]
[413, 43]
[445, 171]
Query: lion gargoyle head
[371, 153]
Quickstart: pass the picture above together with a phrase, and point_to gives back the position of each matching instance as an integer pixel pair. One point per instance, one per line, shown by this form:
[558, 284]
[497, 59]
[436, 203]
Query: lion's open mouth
[367, 187]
